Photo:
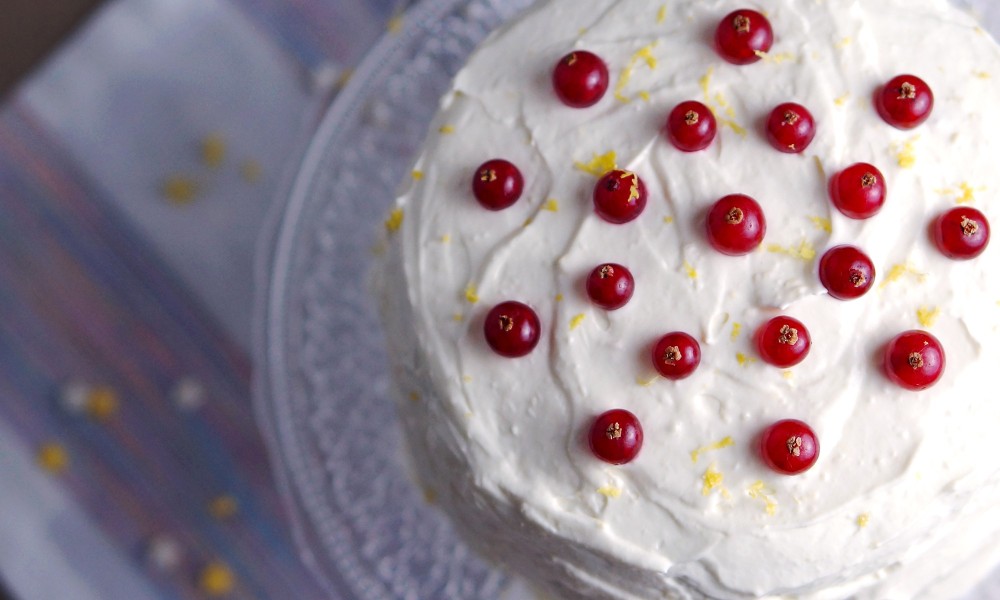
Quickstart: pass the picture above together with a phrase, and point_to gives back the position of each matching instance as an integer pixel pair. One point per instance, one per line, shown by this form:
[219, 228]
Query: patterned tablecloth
[136, 169]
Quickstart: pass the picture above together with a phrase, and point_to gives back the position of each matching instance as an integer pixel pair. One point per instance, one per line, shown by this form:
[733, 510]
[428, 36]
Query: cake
[694, 299]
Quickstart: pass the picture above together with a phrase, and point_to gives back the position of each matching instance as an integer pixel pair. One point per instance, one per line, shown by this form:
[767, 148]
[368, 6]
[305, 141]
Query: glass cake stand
[322, 390]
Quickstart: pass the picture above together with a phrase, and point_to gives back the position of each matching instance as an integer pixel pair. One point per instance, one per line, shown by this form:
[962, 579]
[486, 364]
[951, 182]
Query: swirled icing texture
[904, 501]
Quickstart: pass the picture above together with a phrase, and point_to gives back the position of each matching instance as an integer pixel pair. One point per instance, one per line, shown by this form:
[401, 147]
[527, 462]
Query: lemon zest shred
[600, 164]
[576, 321]
[711, 479]
[737, 329]
[661, 15]
[758, 491]
[690, 270]
[610, 491]
[725, 442]
[863, 520]
[822, 224]
[470, 293]
[928, 316]
[645, 53]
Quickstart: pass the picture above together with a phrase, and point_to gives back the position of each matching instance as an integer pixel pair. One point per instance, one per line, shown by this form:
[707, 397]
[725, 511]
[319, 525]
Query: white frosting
[501, 443]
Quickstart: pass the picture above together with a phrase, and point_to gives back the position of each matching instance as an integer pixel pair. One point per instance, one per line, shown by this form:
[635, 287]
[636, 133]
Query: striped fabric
[84, 299]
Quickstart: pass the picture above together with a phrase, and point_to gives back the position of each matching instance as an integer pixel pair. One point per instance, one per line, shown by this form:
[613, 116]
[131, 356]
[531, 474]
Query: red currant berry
[512, 329]
[858, 191]
[676, 355]
[783, 342]
[580, 79]
[616, 437]
[742, 36]
[905, 102]
[789, 447]
[497, 184]
[610, 286]
[914, 360]
[790, 128]
[691, 126]
[961, 233]
[736, 225]
[846, 272]
[619, 196]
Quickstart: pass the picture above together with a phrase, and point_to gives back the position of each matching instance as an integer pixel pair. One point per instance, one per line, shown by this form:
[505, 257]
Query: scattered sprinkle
[470, 293]
[216, 579]
[668, 220]
[223, 507]
[737, 329]
[805, 251]
[599, 165]
[164, 553]
[417, 175]
[643, 54]
[447, 129]
[180, 189]
[844, 43]
[725, 442]
[863, 520]
[661, 15]
[576, 321]
[395, 24]
[53, 458]
[928, 316]
[344, 79]
[822, 224]
[758, 491]
[102, 403]
[842, 100]
[710, 480]
[395, 220]
[552, 205]
[744, 360]
[188, 394]
[73, 397]
[609, 491]
[213, 150]
[251, 171]
[690, 270]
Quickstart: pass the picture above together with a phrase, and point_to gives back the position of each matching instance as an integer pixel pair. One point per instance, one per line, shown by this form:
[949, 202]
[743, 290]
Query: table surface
[137, 166]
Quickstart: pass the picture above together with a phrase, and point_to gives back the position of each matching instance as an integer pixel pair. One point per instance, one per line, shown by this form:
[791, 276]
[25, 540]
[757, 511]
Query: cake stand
[322, 389]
